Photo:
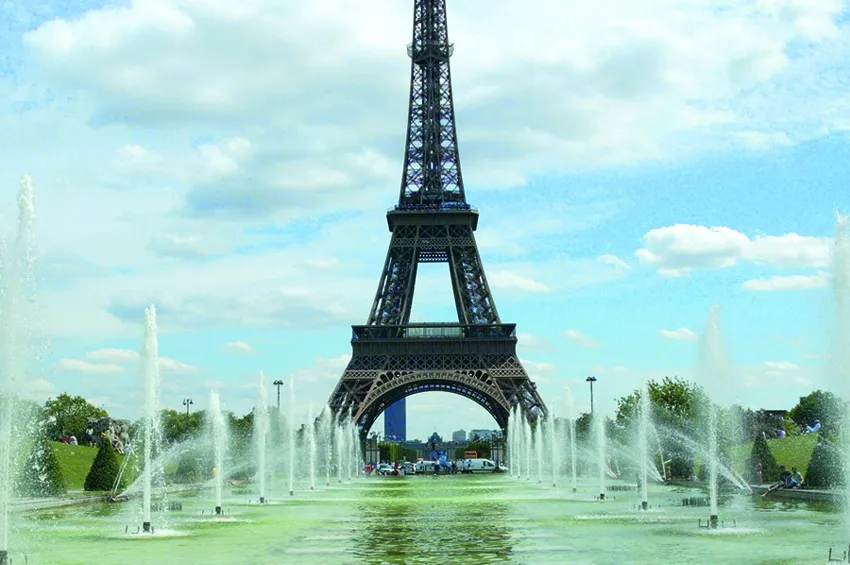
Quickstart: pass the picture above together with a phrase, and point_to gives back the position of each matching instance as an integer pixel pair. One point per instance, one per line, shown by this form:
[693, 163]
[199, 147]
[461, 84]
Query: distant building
[459, 436]
[483, 435]
[395, 422]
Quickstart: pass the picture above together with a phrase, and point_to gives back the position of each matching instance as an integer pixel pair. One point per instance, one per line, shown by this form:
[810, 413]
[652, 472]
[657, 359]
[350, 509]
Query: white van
[478, 466]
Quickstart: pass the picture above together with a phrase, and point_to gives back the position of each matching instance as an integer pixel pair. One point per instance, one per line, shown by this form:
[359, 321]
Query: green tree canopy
[70, 413]
[819, 405]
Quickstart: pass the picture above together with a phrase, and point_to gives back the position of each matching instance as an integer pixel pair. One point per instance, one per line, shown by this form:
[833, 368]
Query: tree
[769, 467]
[174, 426]
[819, 405]
[71, 413]
[189, 469]
[104, 470]
[41, 475]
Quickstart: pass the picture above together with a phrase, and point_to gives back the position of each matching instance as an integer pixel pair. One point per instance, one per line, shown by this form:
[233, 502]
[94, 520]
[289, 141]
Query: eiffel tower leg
[394, 297]
[472, 294]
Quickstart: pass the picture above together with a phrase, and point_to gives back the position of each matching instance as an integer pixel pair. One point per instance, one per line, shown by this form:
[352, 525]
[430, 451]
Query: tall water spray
[328, 427]
[292, 436]
[340, 449]
[538, 448]
[554, 447]
[150, 377]
[220, 440]
[713, 375]
[840, 369]
[311, 446]
[526, 445]
[643, 442]
[572, 422]
[261, 432]
[16, 261]
[599, 425]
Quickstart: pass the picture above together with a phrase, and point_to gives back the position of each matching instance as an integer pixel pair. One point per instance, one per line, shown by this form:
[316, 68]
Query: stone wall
[117, 432]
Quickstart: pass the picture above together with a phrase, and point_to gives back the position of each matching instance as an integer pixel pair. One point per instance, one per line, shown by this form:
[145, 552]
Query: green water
[435, 520]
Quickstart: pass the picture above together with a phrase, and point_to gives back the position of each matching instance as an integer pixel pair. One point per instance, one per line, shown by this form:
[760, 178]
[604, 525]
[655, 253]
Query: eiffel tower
[432, 223]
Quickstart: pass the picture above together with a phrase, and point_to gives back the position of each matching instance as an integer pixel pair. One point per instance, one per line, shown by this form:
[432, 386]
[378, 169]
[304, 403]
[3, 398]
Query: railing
[432, 207]
[430, 47]
[433, 331]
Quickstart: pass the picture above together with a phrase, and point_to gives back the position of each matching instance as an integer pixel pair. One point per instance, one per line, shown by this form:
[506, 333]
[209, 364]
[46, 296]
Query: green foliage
[761, 452]
[41, 475]
[175, 428]
[189, 469]
[825, 469]
[104, 470]
[71, 414]
[480, 447]
[819, 405]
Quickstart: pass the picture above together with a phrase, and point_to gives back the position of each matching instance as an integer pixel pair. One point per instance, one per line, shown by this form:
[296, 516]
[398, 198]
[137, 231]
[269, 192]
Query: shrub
[188, 470]
[769, 467]
[104, 469]
[41, 475]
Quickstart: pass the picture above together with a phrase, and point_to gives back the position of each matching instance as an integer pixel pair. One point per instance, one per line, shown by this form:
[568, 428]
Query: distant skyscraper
[395, 422]
[459, 436]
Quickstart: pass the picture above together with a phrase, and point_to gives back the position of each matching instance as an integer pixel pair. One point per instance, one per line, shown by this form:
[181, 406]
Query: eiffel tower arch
[432, 223]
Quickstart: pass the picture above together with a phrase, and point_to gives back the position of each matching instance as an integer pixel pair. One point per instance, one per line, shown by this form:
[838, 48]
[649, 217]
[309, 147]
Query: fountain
[527, 438]
[599, 425]
[327, 436]
[340, 449]
[311, 446]
[17, 261]
[292, 436]
[220, 440]
[643, 444]
[841, 346]
[712, 372]
[572, 423]
[261, 431]
[150, 376]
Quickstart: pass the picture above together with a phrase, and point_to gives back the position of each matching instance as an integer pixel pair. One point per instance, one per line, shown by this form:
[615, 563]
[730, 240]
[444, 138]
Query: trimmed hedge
[769, 466]
[41, 475]
[104, 469]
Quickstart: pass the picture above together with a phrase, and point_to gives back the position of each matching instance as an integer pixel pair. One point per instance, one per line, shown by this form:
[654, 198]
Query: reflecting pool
[426, 519]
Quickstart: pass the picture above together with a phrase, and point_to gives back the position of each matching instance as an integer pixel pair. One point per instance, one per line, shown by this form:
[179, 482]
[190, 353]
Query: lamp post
[278, 383]
[591, 380]
[187, 402]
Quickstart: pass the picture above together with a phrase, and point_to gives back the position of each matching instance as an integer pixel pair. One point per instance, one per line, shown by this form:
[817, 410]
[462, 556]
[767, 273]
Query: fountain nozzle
[712, 521]
[146, 527]
[575, 489]
[4, 557]
[218, 510]
[644, 505]
[291, 493]
[602, 496]
[262, 500]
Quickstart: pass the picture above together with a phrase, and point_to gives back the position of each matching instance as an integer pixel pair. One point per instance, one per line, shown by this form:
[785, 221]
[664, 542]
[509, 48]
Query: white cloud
[174, 367]
[183, 246]
[507, 280]
[238, 348]
[788, 282]
[681, 334]
[531, 342]
[604, 370]
[86, 368]
[676, 250]
[580, 339]
[113, 355]
[780, 366]
[613, 261]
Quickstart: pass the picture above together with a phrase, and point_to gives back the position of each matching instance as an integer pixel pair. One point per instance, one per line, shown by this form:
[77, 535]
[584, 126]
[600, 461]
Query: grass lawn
[75, 462]
[792, 451]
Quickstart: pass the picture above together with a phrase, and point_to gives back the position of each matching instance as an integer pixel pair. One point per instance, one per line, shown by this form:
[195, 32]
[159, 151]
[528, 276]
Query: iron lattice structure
[475, 357]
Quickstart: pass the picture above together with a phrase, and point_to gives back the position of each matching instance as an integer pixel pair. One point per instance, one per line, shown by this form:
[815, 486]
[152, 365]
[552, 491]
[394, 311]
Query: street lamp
[278, 383]
[187, 402]
[591, 380]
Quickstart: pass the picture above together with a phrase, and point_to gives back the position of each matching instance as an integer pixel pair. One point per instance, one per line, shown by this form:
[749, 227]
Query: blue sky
[633, 164]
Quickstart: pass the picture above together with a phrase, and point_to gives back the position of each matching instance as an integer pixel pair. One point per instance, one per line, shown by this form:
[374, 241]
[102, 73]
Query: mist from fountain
[292, 432]
[538, 448]
[328, 437]
[355, 462]
[17, 262]
[150, 376]
[311, 446]
[643, 443]
[220, 441]
[840, 362]
[340, 449]
[599, 427]
[513, 443]
[261, 432]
